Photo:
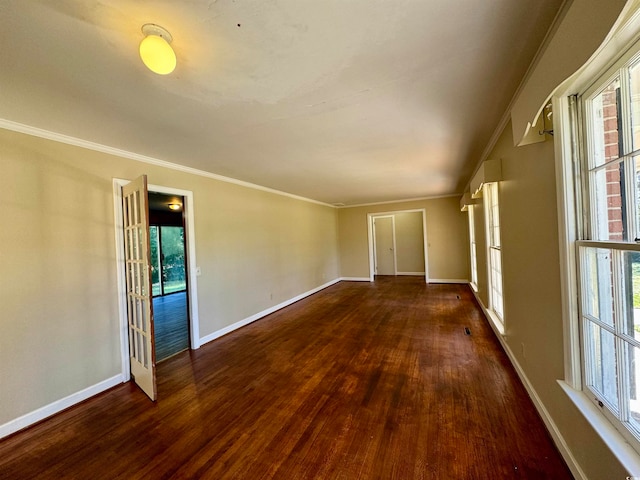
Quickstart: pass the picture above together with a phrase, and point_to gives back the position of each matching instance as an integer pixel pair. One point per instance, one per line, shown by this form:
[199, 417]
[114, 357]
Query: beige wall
[532, 302]
[58, 301]
[409, 242]
[447, 237]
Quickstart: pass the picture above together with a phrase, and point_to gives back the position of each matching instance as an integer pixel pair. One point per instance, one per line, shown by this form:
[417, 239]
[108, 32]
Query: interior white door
[138, 273]
[384, 246]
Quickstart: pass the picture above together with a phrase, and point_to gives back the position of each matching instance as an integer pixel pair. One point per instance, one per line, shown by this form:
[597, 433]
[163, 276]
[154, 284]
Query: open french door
[138, 274]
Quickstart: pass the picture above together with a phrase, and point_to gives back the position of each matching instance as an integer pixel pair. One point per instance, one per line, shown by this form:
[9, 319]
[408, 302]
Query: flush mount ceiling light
[175, 206]
[156, 51]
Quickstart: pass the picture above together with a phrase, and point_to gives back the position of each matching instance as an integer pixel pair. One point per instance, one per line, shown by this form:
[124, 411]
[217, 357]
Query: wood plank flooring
[359, 381]
[171, 324]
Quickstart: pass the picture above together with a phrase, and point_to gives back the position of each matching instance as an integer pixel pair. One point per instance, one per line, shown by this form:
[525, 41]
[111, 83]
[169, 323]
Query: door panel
[138, 275]
[384, 245]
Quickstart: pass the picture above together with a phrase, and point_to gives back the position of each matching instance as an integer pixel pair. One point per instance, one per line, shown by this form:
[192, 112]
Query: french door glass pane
[601, 363]
[608, 202]
[597, 264]
[604, 121]
[631, 293]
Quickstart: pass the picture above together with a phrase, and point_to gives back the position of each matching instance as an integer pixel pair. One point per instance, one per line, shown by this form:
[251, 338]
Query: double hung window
[609, 249]
[494, 253]
[472, 245]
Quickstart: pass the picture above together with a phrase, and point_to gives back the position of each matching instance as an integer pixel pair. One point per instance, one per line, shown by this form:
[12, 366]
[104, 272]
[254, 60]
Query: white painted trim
[97, 147]
[616, 442]
[552, 428]
[40, 414]
[121, 279]
[188, 208]
[413, 274]
[355, 279]
[407, 200]
[448, 280]
[264, 313]
[567, 236]
[371, 236]
[426, 246]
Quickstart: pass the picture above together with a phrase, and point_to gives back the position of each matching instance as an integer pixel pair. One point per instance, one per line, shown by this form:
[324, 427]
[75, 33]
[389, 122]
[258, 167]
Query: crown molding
[406, 200]
[97, 147]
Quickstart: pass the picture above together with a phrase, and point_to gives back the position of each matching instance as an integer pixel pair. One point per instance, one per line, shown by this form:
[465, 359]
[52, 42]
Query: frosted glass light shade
[157, 55]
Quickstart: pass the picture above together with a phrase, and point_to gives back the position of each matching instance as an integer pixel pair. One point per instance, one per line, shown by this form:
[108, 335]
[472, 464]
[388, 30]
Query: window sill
[495, 320]
[620, 448]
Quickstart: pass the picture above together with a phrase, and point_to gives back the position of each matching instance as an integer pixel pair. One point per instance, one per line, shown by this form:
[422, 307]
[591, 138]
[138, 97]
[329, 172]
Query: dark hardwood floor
[171, 325]
[359, 381]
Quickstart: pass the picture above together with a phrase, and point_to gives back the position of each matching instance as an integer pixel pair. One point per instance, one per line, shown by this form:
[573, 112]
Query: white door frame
[371, 239]
[393, 240]
[194, 324]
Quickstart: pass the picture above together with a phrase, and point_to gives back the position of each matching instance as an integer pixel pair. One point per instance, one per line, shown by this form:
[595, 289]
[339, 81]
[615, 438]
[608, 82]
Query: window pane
[604, 122]
[474, 264]
[636, 195]
[601, 363]
[494, 214]
[597, 265]
[631, 293]
[608, 196]
[634, 80]
[155, 261]
[632, 358]
[173, 268]
[496, 282]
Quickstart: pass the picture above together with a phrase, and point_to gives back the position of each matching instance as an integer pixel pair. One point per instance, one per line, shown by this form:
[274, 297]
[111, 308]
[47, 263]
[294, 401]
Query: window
[168, 273]
[472, 242]
[609, 250]
[494, 254]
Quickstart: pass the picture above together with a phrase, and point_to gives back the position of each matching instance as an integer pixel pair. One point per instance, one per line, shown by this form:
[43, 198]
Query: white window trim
[496, 318]
[564, 108]
[473, 248]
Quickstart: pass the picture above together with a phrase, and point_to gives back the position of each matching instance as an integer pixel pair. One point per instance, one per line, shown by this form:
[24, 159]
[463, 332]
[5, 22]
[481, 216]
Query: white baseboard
[448, 280]
[413, 274]
[355, 279]
[558, 439]
[30, 418]
[264, 313]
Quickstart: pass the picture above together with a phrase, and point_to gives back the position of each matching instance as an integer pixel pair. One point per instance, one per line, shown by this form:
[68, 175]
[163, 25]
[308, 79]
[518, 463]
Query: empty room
[320, 240]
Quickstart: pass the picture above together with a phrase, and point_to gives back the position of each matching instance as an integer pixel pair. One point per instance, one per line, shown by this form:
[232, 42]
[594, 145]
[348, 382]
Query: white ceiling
[349, 101]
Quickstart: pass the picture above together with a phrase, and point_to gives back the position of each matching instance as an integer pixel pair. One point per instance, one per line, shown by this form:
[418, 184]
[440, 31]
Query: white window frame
[495, 285]
[473, 247]
[578, 234]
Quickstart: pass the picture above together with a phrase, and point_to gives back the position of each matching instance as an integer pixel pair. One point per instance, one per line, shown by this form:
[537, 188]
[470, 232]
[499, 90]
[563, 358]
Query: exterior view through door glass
[138, 278]
[167, 259]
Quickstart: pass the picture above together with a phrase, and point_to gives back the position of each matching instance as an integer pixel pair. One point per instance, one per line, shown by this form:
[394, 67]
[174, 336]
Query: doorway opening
[398, 243]
[168, 274]
[168, 284]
